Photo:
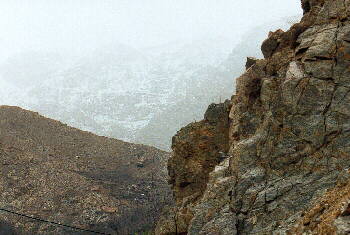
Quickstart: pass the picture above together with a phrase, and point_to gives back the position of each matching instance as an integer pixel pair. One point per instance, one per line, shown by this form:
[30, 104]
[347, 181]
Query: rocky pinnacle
[286, 135]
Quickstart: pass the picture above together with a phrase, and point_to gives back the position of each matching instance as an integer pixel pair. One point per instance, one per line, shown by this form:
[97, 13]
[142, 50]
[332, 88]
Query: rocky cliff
[276, 158]
[60, 174]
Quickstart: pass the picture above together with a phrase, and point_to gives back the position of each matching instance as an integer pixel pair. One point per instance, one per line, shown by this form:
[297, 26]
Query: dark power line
[51, 222]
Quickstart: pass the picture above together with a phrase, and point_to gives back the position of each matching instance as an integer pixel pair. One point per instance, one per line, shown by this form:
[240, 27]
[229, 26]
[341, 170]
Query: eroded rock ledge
[287, 138]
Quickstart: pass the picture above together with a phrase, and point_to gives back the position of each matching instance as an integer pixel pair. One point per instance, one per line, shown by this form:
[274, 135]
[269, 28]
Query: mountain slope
[128, 94]
[61, 174]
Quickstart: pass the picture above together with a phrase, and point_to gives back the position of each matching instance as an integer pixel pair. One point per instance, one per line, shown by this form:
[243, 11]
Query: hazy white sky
[79, 25]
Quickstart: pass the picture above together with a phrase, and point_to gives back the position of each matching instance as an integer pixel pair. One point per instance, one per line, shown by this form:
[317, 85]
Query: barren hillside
[61, 174]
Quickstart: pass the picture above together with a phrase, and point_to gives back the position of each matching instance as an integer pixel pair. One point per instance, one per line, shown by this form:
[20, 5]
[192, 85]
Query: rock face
[61, 174]
[190, 165]
[288, 142]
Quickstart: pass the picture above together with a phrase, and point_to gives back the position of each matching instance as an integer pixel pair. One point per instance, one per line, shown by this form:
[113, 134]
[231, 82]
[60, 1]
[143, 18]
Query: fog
[81, 25]
[125, 68]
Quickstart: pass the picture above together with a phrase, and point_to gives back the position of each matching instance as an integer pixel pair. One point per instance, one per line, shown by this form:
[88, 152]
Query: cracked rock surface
[286, 138]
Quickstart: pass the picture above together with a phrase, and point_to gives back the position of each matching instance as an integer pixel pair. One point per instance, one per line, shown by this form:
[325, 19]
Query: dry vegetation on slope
[61, 174]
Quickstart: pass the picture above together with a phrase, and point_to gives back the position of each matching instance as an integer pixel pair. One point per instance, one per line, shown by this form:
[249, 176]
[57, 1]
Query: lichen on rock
[288, 141]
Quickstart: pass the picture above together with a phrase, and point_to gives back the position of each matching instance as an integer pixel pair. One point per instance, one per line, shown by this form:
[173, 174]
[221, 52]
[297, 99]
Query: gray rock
[289, 134]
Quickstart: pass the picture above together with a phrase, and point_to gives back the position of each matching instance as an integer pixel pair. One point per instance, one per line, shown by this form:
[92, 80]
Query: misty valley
[181, 117]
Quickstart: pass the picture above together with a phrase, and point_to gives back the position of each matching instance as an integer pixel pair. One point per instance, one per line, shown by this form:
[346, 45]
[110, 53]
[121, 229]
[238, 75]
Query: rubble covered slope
[58, 173]
[277, 158]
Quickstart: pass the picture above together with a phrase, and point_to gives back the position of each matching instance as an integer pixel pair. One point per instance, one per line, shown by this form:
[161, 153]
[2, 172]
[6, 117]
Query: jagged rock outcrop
[190, 165]
[250, 62]
[58, 173]
[289, 139]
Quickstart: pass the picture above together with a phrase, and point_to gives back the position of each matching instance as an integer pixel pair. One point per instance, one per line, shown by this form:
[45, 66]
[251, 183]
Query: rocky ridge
[276, 159]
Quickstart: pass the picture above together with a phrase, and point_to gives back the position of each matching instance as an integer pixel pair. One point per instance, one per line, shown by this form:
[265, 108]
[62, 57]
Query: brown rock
[196, 151]
[109, 209]
[271, 43]
[250, 62]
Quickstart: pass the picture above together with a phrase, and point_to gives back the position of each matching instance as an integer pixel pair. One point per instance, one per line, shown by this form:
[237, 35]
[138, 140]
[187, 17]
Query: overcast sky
[80, 25]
